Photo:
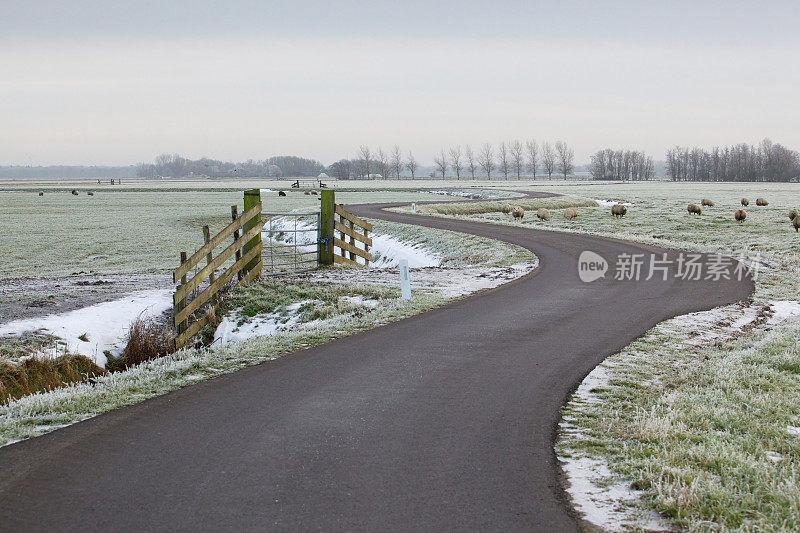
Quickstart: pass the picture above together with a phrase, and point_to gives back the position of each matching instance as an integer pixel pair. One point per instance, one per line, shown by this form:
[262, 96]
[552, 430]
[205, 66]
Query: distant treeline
[65, 172]
[766, 162]
[177, 166]
[621, 165]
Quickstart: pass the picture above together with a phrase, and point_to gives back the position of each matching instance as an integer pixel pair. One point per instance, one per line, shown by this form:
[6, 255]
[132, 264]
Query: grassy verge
[529, 204]
[707, 431]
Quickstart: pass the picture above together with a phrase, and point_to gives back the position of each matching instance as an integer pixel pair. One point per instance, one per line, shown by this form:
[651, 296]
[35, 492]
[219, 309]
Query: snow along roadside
[605, 499]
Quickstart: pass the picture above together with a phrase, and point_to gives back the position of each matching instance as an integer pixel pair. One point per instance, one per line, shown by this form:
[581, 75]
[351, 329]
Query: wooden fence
[245, 249]
[351, 229]
[246, 253]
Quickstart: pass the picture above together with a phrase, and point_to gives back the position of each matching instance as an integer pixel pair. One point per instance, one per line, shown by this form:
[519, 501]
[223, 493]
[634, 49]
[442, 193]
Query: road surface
[445, 420]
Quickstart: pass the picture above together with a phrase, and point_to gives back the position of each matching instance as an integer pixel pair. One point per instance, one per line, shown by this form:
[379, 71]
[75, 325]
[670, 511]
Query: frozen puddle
[104, 325]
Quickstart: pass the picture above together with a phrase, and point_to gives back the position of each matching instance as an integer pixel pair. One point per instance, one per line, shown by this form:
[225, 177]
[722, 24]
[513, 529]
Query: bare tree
[517, 157]
[532, 148]
[397, 161]
[441, 163]
[548, 159]
[486, 160]
[412, 164]
[566, 157]
[470, 160]
[455, 161]
[382, 160]
[502, 159]
[365, 155]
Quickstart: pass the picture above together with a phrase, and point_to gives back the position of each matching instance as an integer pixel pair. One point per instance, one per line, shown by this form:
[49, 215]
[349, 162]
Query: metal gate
[290, 242]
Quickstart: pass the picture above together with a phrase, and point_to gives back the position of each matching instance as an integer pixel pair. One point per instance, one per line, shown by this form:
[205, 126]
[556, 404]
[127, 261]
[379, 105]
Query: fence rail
[246, 249]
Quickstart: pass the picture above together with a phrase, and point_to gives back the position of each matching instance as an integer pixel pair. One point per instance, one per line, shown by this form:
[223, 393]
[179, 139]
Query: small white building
[323, 176]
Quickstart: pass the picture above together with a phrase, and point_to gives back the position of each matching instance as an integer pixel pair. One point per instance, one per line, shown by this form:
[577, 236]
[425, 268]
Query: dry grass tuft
[36, 374]
[147, 340]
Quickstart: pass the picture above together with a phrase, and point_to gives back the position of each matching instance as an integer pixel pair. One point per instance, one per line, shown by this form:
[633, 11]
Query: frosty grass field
[696, 424]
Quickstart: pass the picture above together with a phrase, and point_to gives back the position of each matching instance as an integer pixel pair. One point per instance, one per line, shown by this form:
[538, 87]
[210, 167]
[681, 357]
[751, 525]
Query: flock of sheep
[74, 192]
[518, 212]
[619, 210]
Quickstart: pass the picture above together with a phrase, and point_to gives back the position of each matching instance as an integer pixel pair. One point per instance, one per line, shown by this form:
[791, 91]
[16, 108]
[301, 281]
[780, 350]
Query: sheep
[90, 193]
[761, 201]
[618, 210]
[570, 213]
[796, 223]
[314, 193]
[41, 193]
[792, 214]
[74, 192]
[694, 209]
[307, 193]
[281, 193]
[505, 209]
[745, 202]
[707, 202]
[740, 215]
[518, 212]
[543, 214]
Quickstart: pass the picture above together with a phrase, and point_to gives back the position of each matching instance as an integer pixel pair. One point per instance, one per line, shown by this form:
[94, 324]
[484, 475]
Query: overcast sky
[112, 82]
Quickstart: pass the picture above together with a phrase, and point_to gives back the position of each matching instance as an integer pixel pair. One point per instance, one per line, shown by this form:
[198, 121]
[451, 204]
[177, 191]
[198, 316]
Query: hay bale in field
[41, 193]
[792, 214]
[74, 192]
[796, 223]
[745, 202]
[706, 202]
[518, 212]
[543, 214]
[694, 209]
[740, 215]
[761, 201]
[505, 209]
[570, 213]
[281, 193]
[619, 210]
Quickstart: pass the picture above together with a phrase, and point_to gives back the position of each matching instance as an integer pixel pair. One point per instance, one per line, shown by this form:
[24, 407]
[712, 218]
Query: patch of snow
[609, 203]
[608, 505]
[477, 195]
[105, 324]
[781, 310]
[387, 252]
[229, 329]
[793, 430]
[775, 457]
[359, 301]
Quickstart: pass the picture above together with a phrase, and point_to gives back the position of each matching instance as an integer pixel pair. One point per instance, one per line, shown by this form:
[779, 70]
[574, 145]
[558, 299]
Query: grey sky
[119, 82]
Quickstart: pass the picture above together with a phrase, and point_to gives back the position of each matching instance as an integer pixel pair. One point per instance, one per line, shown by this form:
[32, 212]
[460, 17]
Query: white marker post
[405, 283]
[413, 207]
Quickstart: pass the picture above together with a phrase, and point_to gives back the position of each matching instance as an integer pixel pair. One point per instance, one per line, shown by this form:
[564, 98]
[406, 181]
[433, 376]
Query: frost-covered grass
[134, 228]
[529, 204]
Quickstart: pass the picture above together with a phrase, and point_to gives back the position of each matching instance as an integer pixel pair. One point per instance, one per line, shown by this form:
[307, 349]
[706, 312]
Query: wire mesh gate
[290, 242]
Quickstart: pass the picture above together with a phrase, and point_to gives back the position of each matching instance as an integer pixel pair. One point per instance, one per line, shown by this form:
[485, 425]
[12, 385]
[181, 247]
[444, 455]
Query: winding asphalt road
[445, 420]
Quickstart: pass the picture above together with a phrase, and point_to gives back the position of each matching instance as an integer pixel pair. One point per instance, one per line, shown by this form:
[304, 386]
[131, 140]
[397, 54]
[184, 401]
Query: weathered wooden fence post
[251, 199]
[326, 226]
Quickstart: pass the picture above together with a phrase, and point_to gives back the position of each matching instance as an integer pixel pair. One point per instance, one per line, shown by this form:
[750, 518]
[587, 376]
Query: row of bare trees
[509, 159]
[621, 165]
[512, 159]
[742, 162]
